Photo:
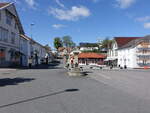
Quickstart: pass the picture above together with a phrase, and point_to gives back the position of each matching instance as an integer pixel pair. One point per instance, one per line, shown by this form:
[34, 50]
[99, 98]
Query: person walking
[30, 62]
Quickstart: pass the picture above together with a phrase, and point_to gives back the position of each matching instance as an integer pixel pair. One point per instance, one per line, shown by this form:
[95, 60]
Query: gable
[121, 41]
[3, 5]
[12, 9]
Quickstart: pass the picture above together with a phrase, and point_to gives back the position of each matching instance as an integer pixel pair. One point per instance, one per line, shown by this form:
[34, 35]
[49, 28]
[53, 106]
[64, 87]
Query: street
[51, 90]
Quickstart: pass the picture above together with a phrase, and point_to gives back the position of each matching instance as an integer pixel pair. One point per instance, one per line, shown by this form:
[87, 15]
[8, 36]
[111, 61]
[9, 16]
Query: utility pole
[32, 24]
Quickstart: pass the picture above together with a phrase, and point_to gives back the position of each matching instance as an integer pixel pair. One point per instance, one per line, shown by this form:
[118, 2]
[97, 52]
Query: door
[2, 57]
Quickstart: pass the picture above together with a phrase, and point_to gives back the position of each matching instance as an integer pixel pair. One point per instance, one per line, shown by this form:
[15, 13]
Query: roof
[121, 41]
[135, 42]
[28, 38]
[3, 4]
[91, 55]
[89, 44]
[61, 49]
[25, 37]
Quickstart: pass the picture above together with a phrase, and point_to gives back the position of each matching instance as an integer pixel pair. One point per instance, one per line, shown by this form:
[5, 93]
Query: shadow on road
[13, 81]
[52, 65]
[85, 73]
[39, 97]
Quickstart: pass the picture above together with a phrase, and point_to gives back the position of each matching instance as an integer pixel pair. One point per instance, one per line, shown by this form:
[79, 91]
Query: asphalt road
[53, 91]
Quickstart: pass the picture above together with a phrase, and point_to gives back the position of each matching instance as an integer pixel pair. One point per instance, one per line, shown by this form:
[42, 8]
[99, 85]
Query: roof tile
[121, 41]
[91, 55]
[3, 4]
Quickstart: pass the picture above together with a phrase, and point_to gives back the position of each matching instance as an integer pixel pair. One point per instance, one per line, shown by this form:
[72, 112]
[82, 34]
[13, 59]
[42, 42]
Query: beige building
[10, 28]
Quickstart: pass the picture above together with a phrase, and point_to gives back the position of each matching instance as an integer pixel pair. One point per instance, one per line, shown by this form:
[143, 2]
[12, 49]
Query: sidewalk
[7, 69]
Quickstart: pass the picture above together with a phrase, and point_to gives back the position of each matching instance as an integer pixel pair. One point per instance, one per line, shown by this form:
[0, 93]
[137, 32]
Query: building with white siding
[135, 54]
[10, 29]
[130, 52]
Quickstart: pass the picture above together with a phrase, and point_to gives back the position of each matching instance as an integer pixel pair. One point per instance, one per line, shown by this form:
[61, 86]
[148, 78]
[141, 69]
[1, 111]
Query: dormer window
[9, 18]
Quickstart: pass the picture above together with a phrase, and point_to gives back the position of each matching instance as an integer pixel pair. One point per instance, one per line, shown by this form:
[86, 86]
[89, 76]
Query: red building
[91, 59]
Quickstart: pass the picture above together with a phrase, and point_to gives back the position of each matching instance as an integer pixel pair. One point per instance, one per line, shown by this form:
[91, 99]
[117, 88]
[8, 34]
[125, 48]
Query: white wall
[11, 28]
[128, 57]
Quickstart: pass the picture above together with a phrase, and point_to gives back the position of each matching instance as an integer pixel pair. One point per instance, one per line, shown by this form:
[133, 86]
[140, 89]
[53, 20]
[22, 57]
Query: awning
[110, 59]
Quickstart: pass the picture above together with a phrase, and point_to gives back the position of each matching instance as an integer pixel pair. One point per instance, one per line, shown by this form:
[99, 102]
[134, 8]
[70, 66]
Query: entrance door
[2, 57]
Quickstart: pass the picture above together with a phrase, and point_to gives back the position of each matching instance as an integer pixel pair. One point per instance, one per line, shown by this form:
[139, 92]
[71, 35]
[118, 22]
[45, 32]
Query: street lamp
[32, 24]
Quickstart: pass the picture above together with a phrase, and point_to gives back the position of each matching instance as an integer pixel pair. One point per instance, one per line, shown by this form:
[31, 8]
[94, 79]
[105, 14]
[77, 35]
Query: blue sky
[84, 20]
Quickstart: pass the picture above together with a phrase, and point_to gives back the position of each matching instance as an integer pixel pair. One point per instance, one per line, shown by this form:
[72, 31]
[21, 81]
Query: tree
[58, 42]
[67, 41]
[106, 43]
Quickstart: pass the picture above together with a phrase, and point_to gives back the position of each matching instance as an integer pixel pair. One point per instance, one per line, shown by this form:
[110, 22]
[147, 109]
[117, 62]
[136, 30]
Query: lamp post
[32, 24]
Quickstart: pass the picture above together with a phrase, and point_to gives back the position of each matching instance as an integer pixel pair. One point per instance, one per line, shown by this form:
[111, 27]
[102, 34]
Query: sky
[83, 20]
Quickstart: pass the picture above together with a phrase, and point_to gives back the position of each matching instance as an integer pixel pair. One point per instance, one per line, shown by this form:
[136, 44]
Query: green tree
[106, 43]
[58, 42]
[67, 41]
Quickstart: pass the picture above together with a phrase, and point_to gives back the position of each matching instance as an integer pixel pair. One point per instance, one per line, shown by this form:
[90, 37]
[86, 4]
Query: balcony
[143, 57]
[141, 64]
[143, 48]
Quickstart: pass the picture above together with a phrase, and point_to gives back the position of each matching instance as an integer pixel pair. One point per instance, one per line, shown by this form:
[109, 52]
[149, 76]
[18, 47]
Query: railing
[141, 64]
[143, 48]
[143, 56]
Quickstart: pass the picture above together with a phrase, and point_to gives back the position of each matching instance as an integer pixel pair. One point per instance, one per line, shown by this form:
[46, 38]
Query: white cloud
[143, 19]
[147, 25]
[59, 3]
[75, 13]
[125, 3]
[30, 2]
[57, 26]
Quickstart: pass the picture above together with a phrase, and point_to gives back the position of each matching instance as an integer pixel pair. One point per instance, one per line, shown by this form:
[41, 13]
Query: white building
[32, 49]
[10, 29]
[25, 50]
[130, 52]
[88, 46]
[135, 54]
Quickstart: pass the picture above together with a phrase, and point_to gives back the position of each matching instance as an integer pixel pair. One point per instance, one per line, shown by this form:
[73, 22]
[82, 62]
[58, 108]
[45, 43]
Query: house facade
[88, 46]
[10, 29]
[129, 52]
[24, 50]
[91, 59]
[135, 54]
[113, 52]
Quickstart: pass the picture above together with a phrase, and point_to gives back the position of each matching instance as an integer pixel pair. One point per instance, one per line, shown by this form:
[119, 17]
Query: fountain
[74, 69]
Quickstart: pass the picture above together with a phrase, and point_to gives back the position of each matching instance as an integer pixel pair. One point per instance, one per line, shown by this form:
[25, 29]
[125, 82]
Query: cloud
[59, 3]
[125, 3]
[15, 1]
[143, 19]
[31, 3]
[73, 14]
[58, 26]
[147, 25]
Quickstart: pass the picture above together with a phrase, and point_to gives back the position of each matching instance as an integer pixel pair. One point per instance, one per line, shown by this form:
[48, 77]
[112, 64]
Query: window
[13, 38]
[0, 34]
[3, 34]
[116, 53]
[15, 25]
[0, 16]
[8, 18]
